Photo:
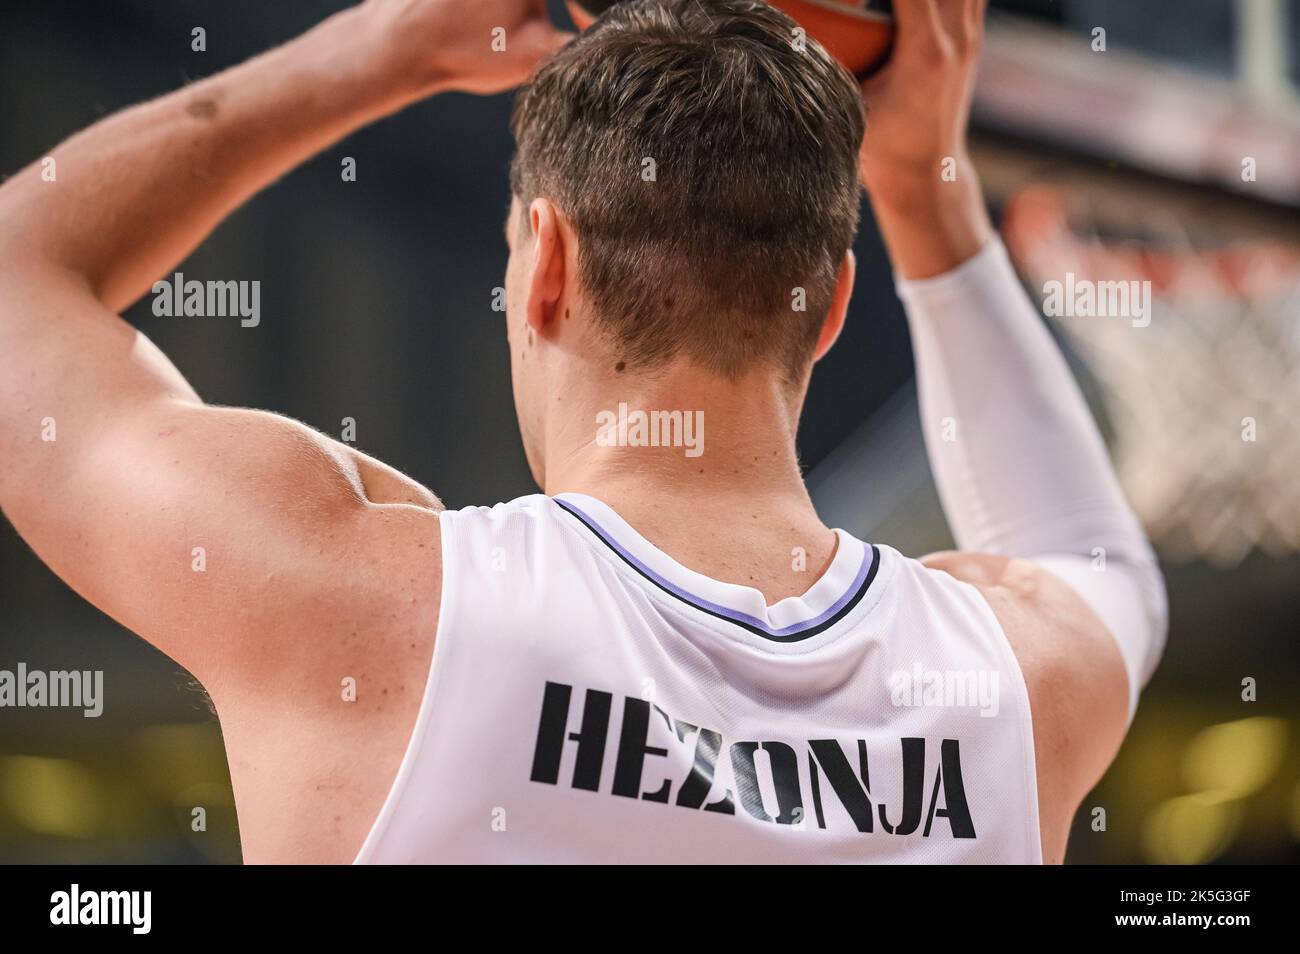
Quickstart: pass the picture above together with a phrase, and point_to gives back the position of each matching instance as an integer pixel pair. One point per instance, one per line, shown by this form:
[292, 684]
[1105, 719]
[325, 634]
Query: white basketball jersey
[592, 700]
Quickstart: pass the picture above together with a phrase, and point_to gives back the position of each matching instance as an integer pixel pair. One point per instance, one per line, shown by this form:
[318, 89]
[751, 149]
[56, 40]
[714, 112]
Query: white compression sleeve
[1020, 466]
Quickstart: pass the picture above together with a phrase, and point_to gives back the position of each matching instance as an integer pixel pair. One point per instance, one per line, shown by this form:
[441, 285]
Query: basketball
[858, 33]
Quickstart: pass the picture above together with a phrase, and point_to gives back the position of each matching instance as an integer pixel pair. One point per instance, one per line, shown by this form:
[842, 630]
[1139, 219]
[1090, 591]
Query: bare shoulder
[317, 708]
[1078, 690]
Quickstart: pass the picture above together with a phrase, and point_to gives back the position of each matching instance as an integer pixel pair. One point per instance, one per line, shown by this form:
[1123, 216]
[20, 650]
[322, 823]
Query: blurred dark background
[376, 306]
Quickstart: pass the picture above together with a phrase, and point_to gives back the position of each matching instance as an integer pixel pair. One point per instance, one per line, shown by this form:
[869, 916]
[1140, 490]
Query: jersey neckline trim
[835, 594]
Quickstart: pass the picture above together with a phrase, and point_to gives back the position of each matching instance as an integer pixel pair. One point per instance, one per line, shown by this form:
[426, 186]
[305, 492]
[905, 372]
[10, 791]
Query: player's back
[591, 699]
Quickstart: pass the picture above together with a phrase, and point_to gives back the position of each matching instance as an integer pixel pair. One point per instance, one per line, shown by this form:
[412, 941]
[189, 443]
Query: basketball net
[1204, 400]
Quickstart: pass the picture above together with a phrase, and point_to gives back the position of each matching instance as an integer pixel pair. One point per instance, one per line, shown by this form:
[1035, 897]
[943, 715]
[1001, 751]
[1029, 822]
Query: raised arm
[1021, 469]
[210, 530]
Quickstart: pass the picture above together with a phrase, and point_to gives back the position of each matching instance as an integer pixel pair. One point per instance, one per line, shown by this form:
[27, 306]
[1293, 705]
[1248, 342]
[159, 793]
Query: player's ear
[546, 268]
[835, 315]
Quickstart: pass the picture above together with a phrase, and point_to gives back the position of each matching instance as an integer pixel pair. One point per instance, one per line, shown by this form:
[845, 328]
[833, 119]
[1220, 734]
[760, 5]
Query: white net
[1197, 355]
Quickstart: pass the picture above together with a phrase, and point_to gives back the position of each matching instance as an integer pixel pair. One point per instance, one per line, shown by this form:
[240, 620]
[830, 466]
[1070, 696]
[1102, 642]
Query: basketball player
[667, 657]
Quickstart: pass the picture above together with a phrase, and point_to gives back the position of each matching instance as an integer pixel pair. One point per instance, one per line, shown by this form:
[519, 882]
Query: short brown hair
[754, 145]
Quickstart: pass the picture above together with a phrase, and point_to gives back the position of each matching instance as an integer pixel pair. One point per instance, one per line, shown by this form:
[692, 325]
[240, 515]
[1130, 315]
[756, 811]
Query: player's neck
[681, 439]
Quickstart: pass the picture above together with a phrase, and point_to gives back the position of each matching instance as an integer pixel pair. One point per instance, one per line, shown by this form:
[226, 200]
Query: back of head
[706, 157]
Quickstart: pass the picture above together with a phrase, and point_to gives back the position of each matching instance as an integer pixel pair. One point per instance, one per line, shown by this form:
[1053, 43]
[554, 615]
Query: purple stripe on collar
[860, 581]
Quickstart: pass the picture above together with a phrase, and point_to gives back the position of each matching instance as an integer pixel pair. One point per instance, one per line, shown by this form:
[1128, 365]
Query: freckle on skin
[620, 366]
[205, 109]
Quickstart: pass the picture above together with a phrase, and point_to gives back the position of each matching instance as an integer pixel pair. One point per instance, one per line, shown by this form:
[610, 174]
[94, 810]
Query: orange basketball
[858, 33]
